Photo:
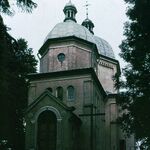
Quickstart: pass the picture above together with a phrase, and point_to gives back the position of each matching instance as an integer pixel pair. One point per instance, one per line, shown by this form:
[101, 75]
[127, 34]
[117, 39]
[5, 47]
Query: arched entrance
[46, 131]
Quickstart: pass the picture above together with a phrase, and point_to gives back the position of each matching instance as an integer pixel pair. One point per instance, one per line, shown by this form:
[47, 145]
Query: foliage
[26, 5]
[16, 61]
[135, 50]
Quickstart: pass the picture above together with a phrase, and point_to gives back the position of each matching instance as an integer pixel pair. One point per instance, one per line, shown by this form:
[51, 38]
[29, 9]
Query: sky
[108, 17]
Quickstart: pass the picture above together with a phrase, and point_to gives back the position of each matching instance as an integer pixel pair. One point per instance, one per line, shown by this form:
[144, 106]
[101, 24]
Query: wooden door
[47, 131]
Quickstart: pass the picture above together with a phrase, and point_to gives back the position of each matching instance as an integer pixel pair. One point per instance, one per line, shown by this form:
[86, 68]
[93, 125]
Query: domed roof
[70, 28]
[88, 24]
[87, 20]
[104, 47]
[70, 5]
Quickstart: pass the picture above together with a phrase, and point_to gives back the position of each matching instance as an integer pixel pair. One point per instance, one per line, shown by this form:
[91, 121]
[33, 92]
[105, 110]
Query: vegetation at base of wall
[135, 50]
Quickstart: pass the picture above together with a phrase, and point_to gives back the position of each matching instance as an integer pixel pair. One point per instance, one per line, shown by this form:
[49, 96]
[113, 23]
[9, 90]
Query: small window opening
[72, 14]
[68, 14]
[71, 93]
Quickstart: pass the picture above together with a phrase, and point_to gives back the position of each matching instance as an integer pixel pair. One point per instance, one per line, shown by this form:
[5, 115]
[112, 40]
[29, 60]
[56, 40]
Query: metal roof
[104, 47]
[70, 28]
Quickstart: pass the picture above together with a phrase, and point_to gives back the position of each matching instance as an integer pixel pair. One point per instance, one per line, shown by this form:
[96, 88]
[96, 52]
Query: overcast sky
[108, 17]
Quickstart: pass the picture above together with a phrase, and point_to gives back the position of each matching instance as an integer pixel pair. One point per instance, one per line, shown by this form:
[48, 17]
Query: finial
[87, 22]
[87, 9]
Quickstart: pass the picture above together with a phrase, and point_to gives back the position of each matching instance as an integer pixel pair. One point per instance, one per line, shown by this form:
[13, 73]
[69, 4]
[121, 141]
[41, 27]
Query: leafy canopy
[16, 61]
[26, 5]
[135, 50]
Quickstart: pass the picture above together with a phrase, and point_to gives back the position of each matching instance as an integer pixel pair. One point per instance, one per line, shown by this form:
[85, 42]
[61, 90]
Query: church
[72, 101]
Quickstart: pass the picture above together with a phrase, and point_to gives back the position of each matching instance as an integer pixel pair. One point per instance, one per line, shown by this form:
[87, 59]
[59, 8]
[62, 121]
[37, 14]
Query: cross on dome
[87, 9]
[87, 22]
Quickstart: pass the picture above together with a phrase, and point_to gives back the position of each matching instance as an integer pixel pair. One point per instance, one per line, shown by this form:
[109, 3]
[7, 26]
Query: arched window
[71, 93]
[46, 131]
[59, 93]
[50, 90]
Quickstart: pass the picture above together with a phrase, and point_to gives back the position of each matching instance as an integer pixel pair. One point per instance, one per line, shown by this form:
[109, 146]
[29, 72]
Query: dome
[70, 28]
[88, 24]
[69, 5]
[87, 20]
[104, 47]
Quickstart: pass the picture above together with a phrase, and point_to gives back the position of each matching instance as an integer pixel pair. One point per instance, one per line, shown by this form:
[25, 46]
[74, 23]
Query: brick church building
[72, 101]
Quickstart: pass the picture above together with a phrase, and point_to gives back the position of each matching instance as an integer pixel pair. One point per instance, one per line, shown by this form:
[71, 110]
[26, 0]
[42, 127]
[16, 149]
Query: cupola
[70, 11]
[88, 24]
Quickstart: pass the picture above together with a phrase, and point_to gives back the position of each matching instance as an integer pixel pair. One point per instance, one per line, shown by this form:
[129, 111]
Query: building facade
[72, 101]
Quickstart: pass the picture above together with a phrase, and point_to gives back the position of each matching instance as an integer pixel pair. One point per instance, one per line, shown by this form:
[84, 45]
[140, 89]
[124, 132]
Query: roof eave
[60, 39]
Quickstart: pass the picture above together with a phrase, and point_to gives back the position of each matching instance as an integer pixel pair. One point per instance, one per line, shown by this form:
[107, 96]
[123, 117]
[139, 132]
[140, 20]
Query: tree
[16, 61]
[26, 5]
[135, 50]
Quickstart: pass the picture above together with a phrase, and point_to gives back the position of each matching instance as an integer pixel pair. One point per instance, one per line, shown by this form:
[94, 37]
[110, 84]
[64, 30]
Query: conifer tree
[135, 50]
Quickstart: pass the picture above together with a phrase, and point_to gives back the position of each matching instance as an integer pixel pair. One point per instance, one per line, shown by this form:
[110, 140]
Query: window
[71, 93]
[59, 93]
[68, 14]
[72, 14]
[61, 57]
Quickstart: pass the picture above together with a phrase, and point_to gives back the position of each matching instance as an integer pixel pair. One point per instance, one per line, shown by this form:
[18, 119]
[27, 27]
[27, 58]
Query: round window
[61, 57]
